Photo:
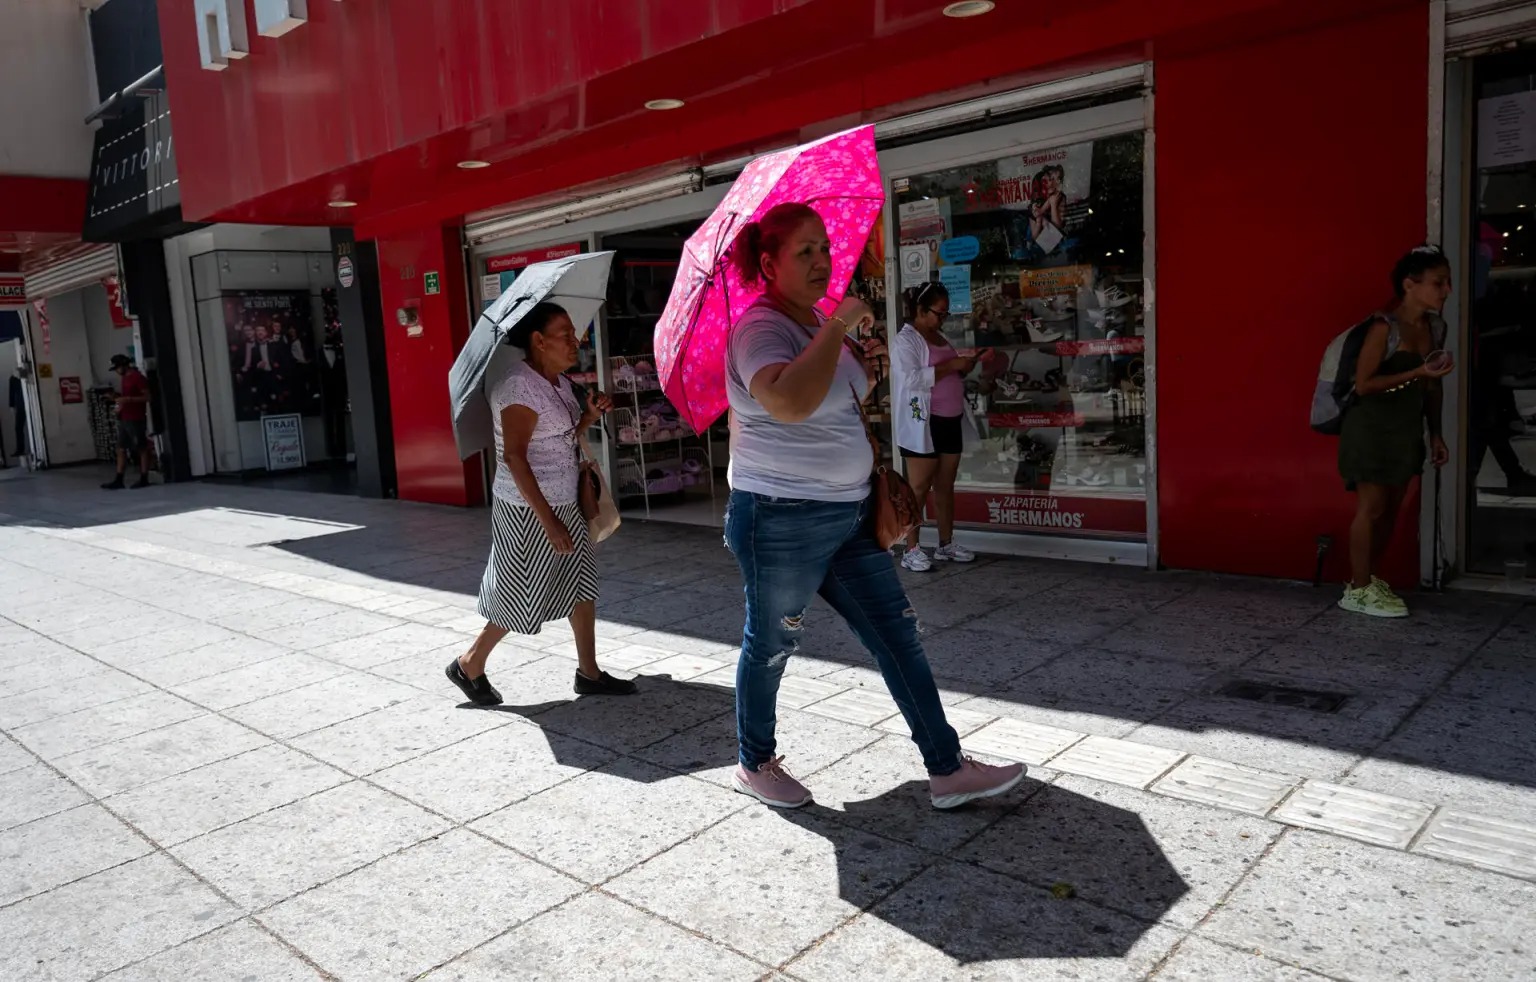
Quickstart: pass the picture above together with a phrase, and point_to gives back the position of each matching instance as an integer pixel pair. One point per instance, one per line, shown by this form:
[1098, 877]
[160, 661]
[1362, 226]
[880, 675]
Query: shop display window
[1041, 253]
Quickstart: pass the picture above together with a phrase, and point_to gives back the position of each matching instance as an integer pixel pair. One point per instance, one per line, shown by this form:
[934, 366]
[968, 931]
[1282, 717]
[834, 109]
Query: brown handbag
[894, 510]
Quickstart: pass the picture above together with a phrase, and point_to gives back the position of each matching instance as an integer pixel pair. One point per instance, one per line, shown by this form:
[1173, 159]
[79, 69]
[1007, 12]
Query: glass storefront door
[1499, 369]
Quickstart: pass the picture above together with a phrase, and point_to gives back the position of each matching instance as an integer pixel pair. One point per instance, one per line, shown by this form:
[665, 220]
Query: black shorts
[132, 435]
[948, 437]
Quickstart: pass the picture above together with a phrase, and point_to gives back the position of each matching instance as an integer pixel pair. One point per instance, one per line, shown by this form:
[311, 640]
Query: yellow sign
[45, 369]
[1054, 282]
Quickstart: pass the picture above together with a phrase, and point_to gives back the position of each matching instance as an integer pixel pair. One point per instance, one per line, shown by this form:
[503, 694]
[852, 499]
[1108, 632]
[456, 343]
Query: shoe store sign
[222, 32]
[1053, 513]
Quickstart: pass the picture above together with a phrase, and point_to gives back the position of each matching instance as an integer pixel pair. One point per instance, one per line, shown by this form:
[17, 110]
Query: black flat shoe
[604, 685]
[479, 691]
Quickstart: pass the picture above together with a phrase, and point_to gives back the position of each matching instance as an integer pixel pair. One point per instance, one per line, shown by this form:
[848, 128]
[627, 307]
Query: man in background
[132, 423]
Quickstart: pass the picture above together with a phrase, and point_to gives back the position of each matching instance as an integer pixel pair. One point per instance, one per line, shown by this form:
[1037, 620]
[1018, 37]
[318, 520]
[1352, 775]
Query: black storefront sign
[134, 188]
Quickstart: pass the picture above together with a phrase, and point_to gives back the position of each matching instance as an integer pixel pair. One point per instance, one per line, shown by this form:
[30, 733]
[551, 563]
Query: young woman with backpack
[1396, 395]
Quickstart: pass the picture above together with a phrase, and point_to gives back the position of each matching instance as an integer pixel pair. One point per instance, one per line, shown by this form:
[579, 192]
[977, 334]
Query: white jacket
[912, 380]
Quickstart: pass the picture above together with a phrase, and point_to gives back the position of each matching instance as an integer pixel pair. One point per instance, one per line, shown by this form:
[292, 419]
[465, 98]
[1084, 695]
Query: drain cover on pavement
[1284, 695]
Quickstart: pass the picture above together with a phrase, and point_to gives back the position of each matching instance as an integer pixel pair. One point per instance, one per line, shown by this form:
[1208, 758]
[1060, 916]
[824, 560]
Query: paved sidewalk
[228, 752]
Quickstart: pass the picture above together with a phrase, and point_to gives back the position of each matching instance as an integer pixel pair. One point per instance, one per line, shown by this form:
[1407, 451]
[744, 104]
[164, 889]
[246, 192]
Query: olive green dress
[1382, 441]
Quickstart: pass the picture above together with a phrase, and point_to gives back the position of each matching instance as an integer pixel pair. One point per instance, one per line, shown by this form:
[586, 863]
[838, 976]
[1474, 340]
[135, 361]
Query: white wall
[10, 358]
[46, 73]
[257, 258]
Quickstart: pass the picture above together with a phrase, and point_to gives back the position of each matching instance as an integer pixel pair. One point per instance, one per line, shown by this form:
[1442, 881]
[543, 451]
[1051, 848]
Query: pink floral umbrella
[838, 176]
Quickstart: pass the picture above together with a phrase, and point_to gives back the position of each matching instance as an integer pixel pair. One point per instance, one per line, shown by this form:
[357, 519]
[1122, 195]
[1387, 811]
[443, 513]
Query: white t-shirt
[552, 452]
[826, 457]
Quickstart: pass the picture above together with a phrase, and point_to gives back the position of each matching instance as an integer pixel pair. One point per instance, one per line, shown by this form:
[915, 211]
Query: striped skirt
[526, 582]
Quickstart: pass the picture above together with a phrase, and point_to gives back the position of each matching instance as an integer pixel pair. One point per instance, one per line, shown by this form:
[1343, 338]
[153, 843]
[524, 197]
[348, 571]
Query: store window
[1041, 253]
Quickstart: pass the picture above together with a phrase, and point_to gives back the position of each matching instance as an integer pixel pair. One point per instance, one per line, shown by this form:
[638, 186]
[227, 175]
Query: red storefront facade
[1286, 172]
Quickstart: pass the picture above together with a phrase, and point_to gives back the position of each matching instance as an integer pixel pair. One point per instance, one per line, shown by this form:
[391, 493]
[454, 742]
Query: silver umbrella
[577, 283]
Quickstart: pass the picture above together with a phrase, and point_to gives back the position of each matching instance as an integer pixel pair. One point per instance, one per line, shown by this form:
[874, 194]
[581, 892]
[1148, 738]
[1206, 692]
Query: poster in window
[271, 341]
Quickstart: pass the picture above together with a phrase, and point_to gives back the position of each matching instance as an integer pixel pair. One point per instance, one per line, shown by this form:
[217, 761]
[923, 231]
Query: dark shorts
[948, 437]
[132, 435]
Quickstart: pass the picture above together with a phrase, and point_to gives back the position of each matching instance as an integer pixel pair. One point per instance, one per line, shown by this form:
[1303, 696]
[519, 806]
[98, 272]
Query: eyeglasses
[940, 314]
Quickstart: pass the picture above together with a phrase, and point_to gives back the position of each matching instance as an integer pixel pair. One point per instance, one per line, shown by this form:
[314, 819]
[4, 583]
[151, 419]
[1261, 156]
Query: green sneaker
[1384, 590]
[1369, 601]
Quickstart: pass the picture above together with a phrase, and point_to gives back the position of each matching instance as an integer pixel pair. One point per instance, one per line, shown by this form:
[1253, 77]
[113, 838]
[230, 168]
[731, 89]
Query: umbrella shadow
[1062, 876]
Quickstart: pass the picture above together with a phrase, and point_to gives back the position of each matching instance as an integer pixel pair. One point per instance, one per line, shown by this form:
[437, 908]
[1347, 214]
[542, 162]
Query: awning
[1477, 26]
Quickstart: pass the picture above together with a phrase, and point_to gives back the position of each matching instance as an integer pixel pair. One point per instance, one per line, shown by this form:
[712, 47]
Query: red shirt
[134, 384]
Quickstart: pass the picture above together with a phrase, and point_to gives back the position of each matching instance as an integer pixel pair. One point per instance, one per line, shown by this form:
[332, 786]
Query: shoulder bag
[894, 510]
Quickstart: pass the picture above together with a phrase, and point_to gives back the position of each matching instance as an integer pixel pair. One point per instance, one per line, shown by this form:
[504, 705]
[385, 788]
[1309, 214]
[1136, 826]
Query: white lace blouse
[552, 452]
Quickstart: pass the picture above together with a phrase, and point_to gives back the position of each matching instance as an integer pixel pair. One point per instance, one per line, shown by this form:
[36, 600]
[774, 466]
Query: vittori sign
[222, 34]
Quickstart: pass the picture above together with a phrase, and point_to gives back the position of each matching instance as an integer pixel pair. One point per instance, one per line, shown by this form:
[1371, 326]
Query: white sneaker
[916, 560]
[953, 553]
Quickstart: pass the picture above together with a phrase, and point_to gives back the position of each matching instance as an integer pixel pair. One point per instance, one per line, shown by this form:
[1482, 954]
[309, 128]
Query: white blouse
[552, 452]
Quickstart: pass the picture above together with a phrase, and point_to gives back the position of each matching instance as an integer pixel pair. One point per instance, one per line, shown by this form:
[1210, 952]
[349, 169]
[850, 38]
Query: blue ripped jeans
[789, 550]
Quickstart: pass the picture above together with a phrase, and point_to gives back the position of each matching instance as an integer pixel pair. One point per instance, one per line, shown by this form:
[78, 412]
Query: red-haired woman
[796, 522]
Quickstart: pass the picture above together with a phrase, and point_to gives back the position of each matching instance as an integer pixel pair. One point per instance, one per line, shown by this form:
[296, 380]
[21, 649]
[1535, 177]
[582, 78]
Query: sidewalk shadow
[1090, 891]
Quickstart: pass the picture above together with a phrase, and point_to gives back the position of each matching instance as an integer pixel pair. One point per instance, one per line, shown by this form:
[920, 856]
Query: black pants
[1489, 431]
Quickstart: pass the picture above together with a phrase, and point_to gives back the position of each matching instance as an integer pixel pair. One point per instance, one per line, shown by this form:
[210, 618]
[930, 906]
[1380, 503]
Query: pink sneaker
[772, 785]
[972, 781]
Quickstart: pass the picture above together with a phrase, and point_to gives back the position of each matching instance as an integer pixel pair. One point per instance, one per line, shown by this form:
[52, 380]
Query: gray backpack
[1335, 390]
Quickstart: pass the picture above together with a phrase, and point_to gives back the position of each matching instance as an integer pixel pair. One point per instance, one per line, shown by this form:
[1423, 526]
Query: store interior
[662, 468]
[1500, 368]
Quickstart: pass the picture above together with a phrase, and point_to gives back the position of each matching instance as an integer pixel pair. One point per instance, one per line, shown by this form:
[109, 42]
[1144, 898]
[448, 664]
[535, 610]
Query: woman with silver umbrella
[541, 566]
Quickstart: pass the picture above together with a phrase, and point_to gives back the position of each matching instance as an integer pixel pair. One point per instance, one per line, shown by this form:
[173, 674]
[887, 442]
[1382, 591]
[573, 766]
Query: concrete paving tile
[684, 644]
[1158, 860]
[321, 704]
[568, 942]
[447, 894]
[177, 808]
[157, 754]
[250, 683]
[1440, 785]
[1252, 603]
[1507, 847]
[1014, 739]
[1198, 960]
[241, 952]
[85, 692]
[598, 841]
[61, 735]
[348, 625]
[798, 892]
[964, 721]
[1144, 686]
[864, 707]
[276, 854]
[1505, 681]
[808, 742]
[391, 644]
[136, 910]
[628, 723]
[1413, 632]
[1195, 641]
[682, 668]
[1337, 666]
[52, 851]
[1046, 623]
[484, 773]
[1226, 785]
[883, 789]
[1385, 820]
[1352, 910]
[798, 692]
[982, 658]
[213, 659]
[956, 923]
[1083, 717]
[1116, 761]
[158, 644]
[43, 665]
[35, 792]
[396, 733]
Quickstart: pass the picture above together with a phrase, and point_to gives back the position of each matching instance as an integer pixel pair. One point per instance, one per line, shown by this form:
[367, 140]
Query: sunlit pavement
[229, 752]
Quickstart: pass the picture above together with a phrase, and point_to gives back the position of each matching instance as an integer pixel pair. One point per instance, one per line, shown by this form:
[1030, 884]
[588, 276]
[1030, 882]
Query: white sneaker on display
[953, 553]
[916, 560]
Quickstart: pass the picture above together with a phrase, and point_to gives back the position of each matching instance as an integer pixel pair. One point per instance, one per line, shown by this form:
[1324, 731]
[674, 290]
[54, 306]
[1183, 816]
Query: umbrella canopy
[838, 176]
[577, 283]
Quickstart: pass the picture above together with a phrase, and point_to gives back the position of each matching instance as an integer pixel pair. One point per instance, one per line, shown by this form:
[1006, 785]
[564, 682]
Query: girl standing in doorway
[1381, 445]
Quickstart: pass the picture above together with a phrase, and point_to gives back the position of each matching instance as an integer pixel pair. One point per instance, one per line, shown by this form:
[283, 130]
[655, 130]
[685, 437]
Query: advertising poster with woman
[271, 353]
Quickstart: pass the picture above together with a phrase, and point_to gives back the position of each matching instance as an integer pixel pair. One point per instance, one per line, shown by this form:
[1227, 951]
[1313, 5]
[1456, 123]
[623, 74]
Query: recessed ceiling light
[343, 204]
[661, 105]
[969, 8]
[473, 164]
